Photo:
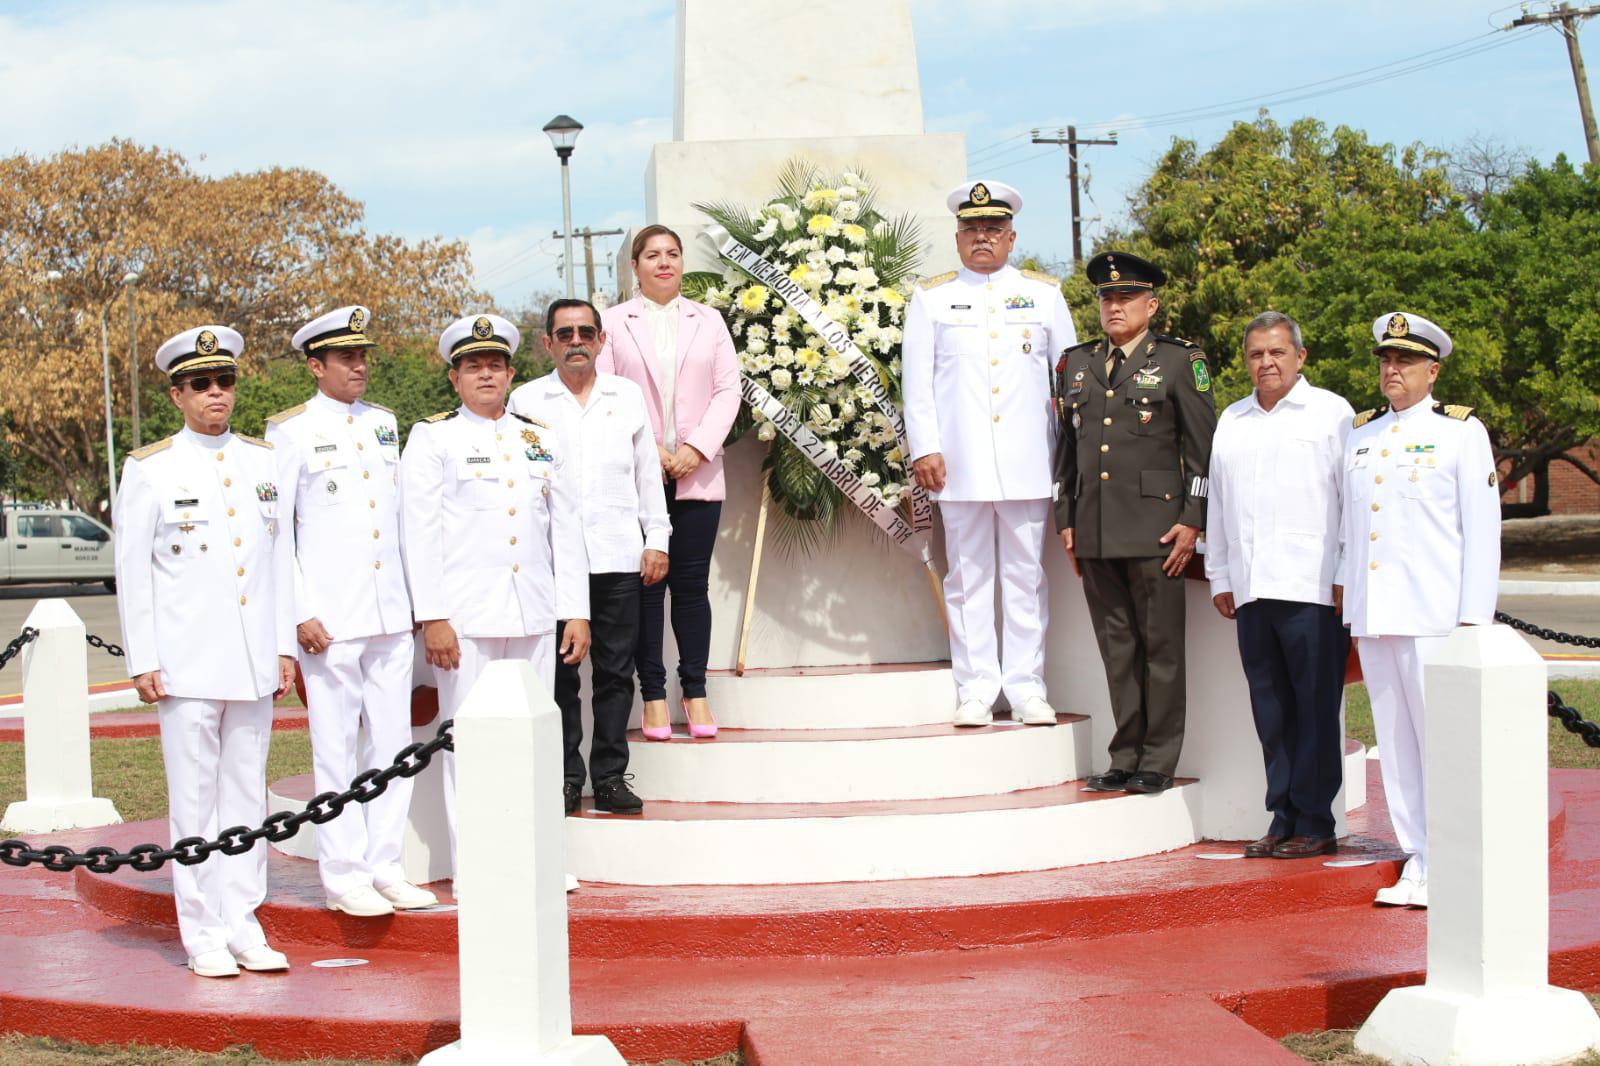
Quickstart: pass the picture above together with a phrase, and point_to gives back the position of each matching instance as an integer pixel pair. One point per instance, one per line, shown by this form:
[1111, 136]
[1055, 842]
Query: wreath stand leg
[755, 573]
[938, 592]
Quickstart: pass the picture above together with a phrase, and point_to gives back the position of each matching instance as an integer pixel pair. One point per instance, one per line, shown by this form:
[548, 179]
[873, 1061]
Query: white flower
[756, 332]
[781, 379]
[754, 345]
[870, 479]
[834, 254]
[805, 377]
[847, 411]
[747, 363]
[847, 210]
[763, 363]
[766, 431]
[866, 277]
[767, 230]
[783, 355]
[853, 455]
[821, 414]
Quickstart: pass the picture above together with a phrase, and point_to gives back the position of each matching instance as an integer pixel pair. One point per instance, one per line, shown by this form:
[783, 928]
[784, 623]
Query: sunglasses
[203, 384]
[565, 333]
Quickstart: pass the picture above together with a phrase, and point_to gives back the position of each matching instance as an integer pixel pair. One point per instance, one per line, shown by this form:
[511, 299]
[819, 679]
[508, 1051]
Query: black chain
[1572, 720]
[96, 642]
[1546, 634]
[15, 647]
[325, 807]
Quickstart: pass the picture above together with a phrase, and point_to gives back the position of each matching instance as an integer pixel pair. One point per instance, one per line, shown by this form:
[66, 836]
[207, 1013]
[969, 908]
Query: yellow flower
[809, 358]
[855, 234]
[799, 274]
[819, 225]
[892, 297]
[753, 299]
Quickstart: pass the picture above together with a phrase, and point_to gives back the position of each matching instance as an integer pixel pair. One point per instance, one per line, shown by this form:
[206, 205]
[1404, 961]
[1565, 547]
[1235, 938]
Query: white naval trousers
[1392, 669]
[362, 681]
[982, 539]
[453, 685]
[215, 753]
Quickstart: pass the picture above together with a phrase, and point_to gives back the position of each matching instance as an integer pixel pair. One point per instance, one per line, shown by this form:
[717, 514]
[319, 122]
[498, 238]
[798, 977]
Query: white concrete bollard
[1487, 999]
[55, 728]
[511, 855]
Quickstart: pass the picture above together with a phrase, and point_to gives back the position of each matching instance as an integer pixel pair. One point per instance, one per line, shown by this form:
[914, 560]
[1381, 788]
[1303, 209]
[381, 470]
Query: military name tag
[192, 502]
[474, 459]
[960, 307]
[319, 449]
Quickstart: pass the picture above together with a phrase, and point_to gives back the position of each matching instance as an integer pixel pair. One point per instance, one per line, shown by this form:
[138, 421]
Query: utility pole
[1567, 18]
[1069, 137]
[588, 236]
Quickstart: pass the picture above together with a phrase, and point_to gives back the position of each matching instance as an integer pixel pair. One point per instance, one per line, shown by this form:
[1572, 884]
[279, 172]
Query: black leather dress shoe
[615, 797]
[572, 794]
[1147, 782]
[1110, 781]
[1262, 849]
[1305, 847]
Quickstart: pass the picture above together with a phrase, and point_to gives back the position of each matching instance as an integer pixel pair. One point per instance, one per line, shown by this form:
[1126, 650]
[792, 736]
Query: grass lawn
[28, 1051]
[1337, 1047]
[1567, 751]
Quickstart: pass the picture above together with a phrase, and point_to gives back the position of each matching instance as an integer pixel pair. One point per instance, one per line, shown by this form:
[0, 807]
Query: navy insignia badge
[482, 329]
[206, 343]
[979, 195]
[358, 320]
[1398, 326]
[1492, 479]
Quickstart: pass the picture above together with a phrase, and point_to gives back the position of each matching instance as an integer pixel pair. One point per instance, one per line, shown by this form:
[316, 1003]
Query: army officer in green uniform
[1136, 418]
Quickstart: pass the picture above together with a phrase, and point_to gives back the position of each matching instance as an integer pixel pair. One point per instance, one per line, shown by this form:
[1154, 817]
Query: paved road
[97, 608]
[1568, 614]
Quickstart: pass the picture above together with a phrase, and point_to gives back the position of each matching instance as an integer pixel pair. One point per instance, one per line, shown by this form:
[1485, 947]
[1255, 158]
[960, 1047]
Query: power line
[1569, 18]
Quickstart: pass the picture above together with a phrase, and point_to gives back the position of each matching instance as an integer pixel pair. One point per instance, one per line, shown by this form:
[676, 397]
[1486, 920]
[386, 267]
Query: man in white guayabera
[979, 422]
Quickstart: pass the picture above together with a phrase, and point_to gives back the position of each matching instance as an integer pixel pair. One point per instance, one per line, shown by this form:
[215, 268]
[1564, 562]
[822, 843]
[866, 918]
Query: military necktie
[1114, 362]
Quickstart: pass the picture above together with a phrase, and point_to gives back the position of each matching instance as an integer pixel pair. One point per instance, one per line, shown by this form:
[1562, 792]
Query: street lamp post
[129, 280]
[105, 374]
[563, 132]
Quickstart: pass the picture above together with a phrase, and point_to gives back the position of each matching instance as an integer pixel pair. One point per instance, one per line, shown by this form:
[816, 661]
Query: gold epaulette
[1453, 410]
[937, 279]
[150, 449]
[284, 416]
[442, 415]
[530, 421]
[378, 407]
[257, 441]
[1039, 275]
[1368, 415]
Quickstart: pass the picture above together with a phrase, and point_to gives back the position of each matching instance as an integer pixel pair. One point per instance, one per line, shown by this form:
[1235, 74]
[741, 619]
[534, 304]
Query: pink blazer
[706, 395]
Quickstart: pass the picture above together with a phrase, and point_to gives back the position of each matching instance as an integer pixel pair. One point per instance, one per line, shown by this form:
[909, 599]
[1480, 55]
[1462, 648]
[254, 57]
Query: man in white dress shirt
[206, 598]
[1421, 556]
[976, 367]
[602, 423]
[338, 464]
[1272, 546]
[490, 529]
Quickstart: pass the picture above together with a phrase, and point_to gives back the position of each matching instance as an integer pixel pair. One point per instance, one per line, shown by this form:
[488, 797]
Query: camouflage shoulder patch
[257, 441]
[284, 416]
[150, 449]
[442, 415]
[1458, 411]
[1039, 275]
[937, 279]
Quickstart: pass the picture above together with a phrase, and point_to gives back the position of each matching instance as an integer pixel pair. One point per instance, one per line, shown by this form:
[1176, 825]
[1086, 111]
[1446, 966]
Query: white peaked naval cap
[201, 348]
[1410, 333]
[344, 328]
[983, 199]
[478, 333]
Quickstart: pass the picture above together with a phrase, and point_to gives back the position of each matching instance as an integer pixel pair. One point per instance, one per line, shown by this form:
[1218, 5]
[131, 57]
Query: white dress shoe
[218, 963]
[572, 883]
[1398, 894]
[1419, 895]
[262, 959]
[974, 712]
[405, 896]
[1035, 711]
[363, 902]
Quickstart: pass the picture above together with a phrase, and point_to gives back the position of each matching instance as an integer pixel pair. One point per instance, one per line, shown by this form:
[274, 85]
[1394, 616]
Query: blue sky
[430, 113]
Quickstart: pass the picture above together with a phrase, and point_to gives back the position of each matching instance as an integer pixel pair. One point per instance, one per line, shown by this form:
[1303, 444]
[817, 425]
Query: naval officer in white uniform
[491, 534]
[1421, 556]
[976, 369]
[205, 593]
[339, 476]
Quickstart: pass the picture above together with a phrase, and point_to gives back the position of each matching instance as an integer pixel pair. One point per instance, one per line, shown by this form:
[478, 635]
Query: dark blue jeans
[1293, 656]
[694, 535]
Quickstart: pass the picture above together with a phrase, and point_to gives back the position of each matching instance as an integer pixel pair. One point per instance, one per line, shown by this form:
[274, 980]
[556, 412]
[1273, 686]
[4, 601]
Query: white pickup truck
[40, 543]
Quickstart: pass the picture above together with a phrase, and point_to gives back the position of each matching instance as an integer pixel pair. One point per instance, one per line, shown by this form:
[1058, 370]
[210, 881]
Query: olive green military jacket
[1132, 452]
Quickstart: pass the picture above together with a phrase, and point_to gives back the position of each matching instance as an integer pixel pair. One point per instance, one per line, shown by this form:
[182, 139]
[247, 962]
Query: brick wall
[1571, 491]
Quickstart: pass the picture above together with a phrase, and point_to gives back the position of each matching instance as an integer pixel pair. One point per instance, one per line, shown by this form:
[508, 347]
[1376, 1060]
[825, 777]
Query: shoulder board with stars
[1039, 275]
[1180, 342]
[1453, 410]
[1368, 415]
[150, 449]
[257, 441]
[937, 279]
[442, 415]
[530, 421]
[284, 416]
[378, 407]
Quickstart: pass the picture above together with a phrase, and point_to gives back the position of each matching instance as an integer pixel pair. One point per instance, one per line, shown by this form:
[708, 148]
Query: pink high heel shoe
[658, 732]
[698, 730]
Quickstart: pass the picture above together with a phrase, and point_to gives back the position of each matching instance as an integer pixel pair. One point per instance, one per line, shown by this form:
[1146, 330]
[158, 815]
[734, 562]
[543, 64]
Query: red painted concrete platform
[1166, 959]
[127, 724]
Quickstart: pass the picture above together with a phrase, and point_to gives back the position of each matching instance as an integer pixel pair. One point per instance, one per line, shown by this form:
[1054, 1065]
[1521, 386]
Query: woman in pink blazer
[681, 354]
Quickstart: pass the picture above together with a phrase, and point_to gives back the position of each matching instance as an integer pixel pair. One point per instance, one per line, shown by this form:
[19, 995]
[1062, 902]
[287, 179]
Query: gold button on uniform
[378, 565]
[327, 463]
[1105, 475]
[219, 457]
[1105, 448]
[1110, 393]
[995, 390]
[237, 542]
[1378, 480]
[515, 567]
[360, 447]
[994, 333]
[1394, 429]
[507, 458]
[372, 503]
[230, 512]
[997, 418]
[512, 511]
[241, 571]
[1108, 420]
[1374, 507]
[1384, 453]
[374, 534]
[227, 482]
[349, 418]
[1166, 496]
[994, 362]
[513, 540]
[1372, 566]
[1373, 535]
[242, 601]
[365, 475]
[510, 483]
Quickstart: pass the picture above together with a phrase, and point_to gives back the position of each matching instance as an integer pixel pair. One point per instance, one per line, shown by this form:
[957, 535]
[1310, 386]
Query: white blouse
[664, 330]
